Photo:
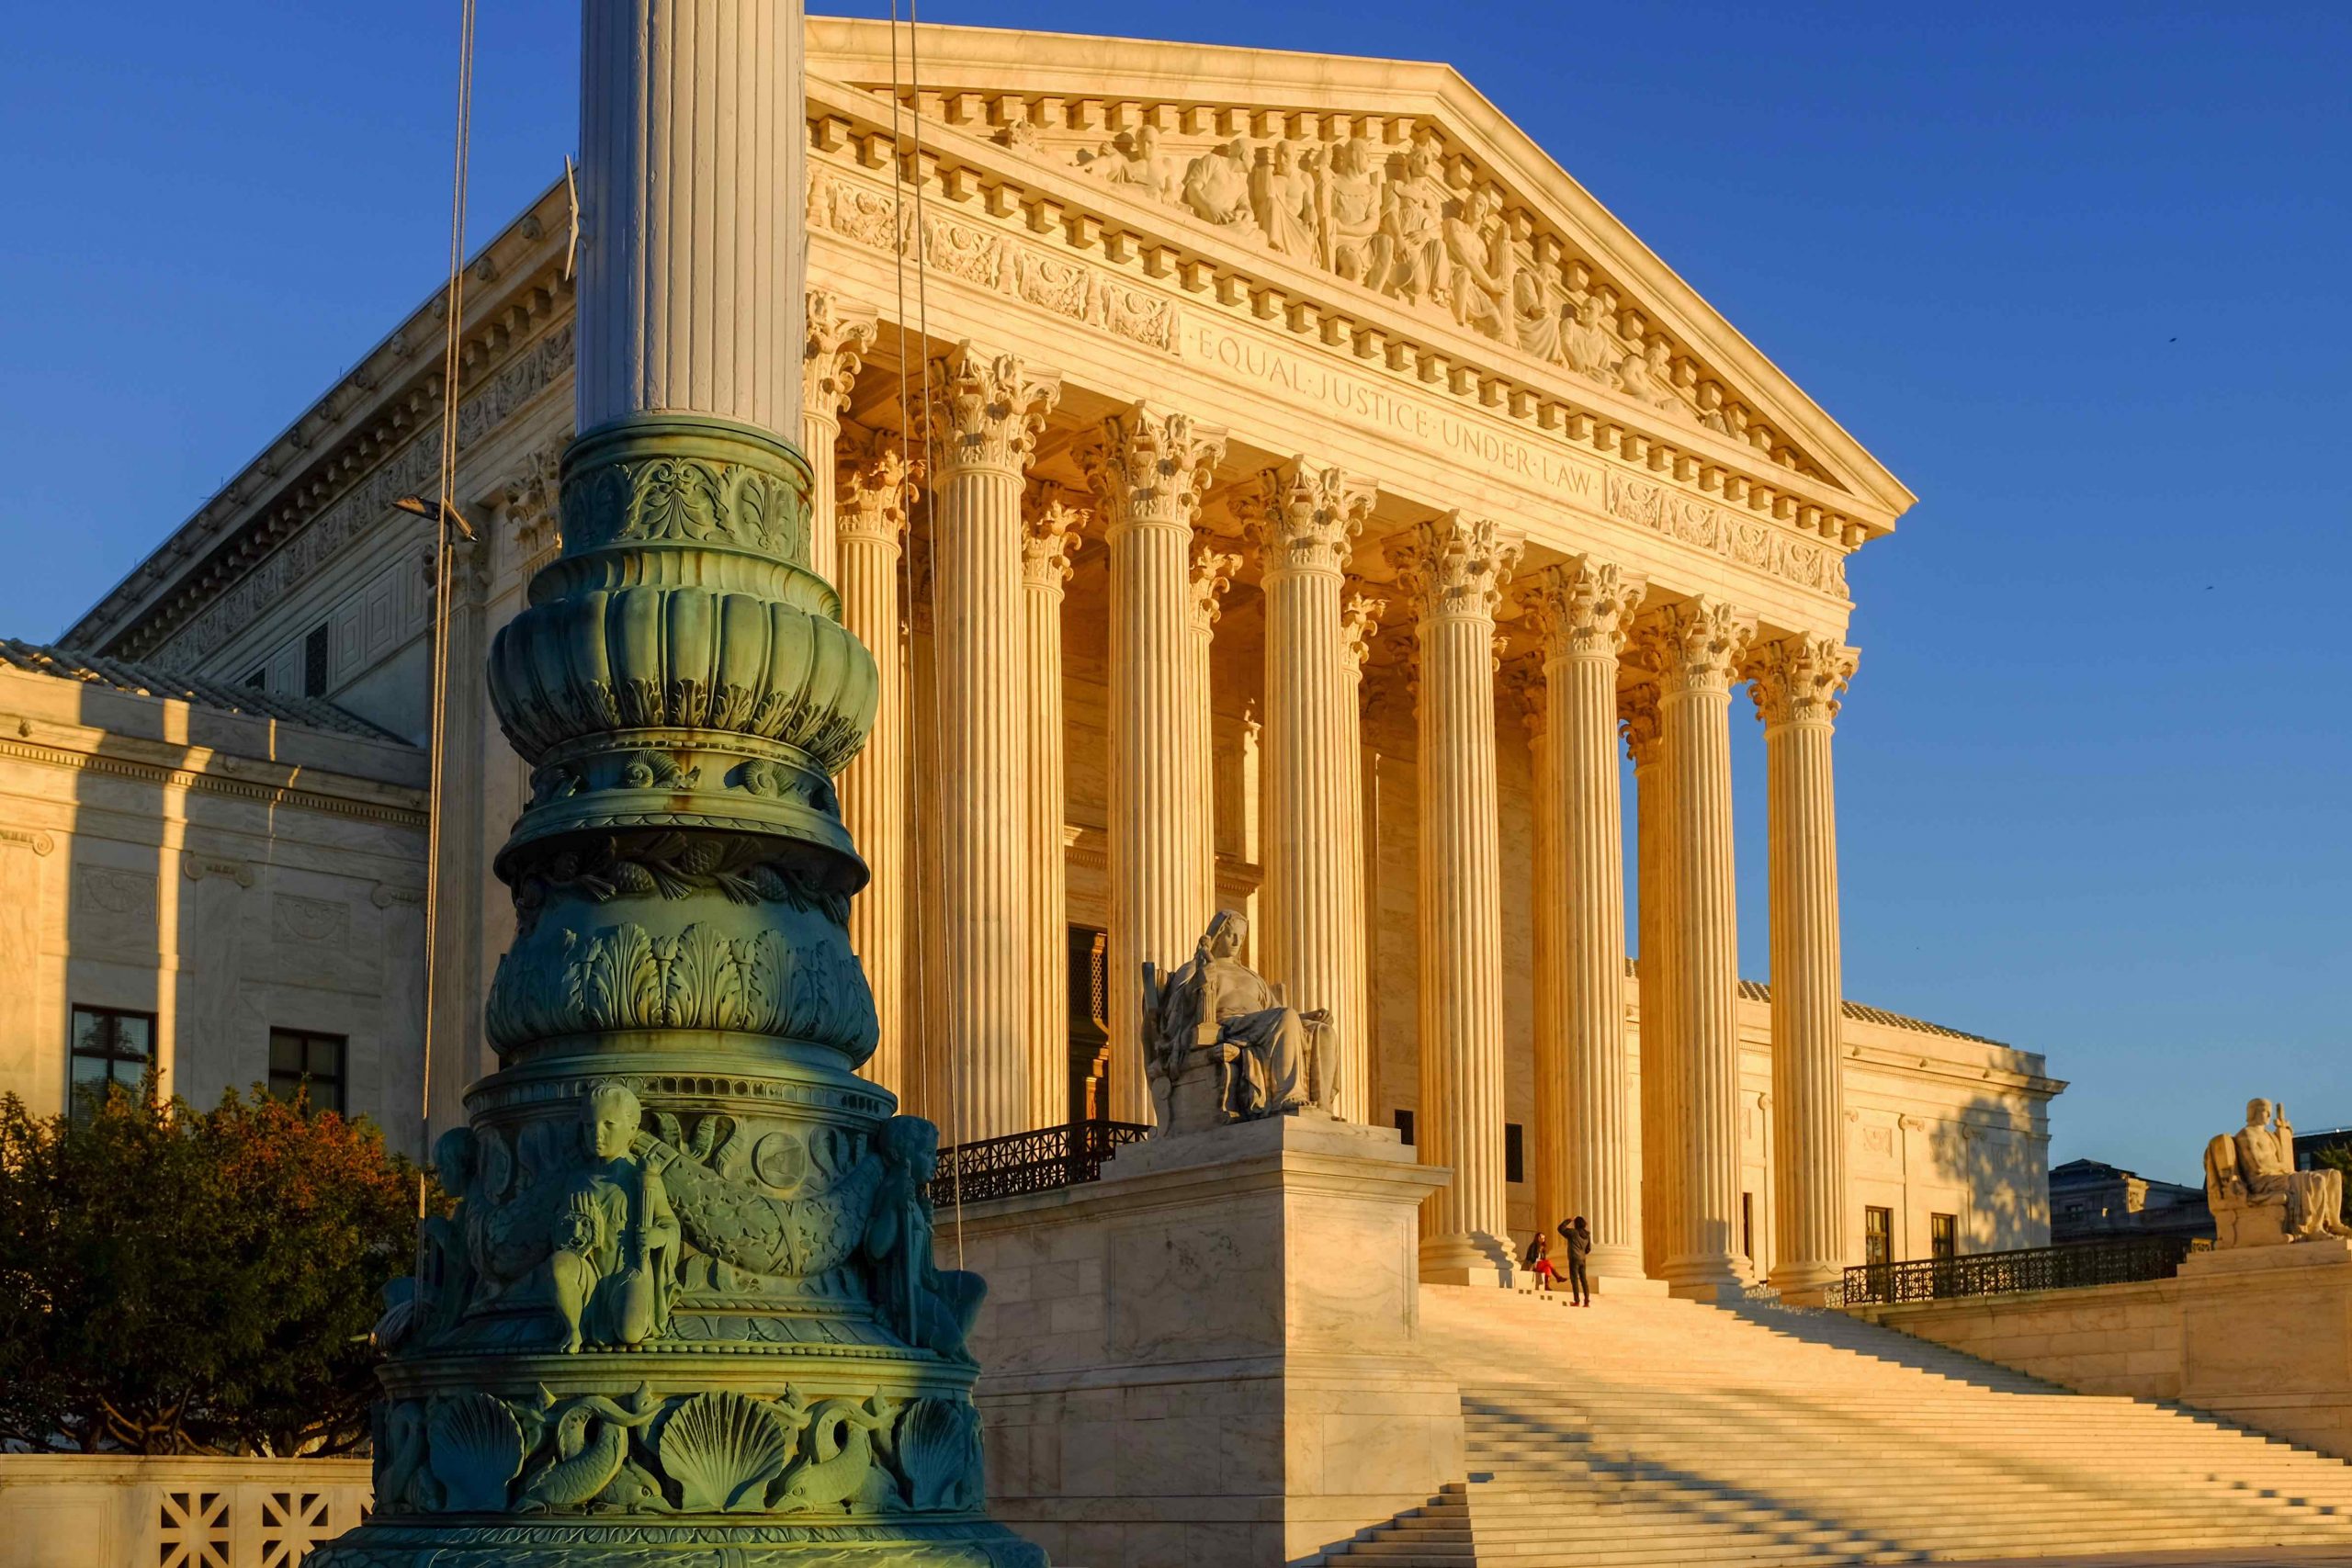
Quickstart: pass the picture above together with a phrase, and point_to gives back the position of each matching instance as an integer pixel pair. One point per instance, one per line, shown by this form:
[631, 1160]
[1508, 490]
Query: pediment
[1396, 178]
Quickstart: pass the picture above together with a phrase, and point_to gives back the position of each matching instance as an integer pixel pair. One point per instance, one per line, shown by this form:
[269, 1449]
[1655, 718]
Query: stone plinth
[1210, 1355]
[2265, 1338]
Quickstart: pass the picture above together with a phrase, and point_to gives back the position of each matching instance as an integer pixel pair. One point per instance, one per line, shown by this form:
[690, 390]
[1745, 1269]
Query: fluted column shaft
[1585, 609]
[1549, 1127]
[1796, 682]
[1053, 532]
[1147, 471]
[991, 407]
[1694, 648]
[1458, 567]
[839, 337]
[1305, 517]
[1212, 574]
[871, 513]
[697, 306]
[1660, 1149]
[1355, 922]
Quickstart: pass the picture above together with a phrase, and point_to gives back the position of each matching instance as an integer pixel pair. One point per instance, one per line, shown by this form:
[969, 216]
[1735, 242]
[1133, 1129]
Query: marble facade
[1273, 449]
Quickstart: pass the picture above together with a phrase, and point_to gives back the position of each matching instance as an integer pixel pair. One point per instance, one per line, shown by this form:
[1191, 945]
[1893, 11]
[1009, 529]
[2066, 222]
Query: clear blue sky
[2076, 271]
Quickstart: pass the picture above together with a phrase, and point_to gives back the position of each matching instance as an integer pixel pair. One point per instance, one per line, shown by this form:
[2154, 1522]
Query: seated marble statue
[2257, 1196]
[1218, 1016]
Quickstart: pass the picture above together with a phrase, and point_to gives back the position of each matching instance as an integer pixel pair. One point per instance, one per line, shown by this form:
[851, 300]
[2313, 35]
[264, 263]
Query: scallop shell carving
[476, 1449]
[939, 1451]
[723, 1450]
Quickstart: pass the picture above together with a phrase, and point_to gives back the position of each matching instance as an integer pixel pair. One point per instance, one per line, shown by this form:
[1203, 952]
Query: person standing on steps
[1579, 1239]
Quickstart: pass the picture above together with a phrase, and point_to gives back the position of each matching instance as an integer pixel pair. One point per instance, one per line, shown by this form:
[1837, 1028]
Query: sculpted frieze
[1750, 541]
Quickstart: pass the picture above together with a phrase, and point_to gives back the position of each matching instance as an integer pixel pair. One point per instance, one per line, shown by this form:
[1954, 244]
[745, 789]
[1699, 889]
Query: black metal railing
[1030, 1162]
[2119, 1260]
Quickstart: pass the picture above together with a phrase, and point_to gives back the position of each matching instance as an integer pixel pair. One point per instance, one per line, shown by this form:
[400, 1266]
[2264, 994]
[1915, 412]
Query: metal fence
[2119, 1260]
[1030, 1162]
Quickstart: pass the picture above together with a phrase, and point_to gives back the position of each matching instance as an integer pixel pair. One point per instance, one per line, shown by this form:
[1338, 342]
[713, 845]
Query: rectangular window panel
[1514, 1152]
[109, 1046]
[1878, 1235]
[314, 662]
[1405, 1126]
[1943, 1236]
[1747, 1225]
[300, 1059]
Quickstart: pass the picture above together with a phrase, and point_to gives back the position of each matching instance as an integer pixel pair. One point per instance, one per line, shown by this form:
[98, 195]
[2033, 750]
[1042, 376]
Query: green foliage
[2338, 1159]
[176, 1281]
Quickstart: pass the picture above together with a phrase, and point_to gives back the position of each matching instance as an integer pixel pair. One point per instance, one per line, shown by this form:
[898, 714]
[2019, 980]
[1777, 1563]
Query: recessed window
[1878, 1235]
[1943, 1236]
[1514, 1152]
[314, 662]
[300, 1060]
[1747, 1225]
[258, 680]
[110, 1046]
[1405, 1126]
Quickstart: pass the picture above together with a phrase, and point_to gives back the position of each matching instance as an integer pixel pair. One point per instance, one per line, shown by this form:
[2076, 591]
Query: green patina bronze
[685, 1311]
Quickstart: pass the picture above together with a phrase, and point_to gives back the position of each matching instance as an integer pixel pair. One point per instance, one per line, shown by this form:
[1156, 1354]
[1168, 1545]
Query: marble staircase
[1650, 1431]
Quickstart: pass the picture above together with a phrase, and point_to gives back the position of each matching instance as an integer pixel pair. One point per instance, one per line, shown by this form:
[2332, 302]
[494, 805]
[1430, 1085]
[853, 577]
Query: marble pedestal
[2265, 1338]
[1209, 1355]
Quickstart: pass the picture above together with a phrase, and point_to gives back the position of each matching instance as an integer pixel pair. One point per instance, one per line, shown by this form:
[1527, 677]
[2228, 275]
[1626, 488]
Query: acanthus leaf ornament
[1306, 516]
[1584, 607]
[992, 409]
[1151, 466]
[1800, 679]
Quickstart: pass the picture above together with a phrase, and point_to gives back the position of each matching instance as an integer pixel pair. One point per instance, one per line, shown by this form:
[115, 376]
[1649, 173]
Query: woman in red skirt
[1538, 1259]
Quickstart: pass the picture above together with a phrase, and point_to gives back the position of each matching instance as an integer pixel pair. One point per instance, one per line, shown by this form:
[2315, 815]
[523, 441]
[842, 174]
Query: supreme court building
[1268, 482]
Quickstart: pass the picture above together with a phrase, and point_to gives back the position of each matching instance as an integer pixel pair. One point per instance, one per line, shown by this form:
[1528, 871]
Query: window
[1878, 1235]
[259, 679]
[314, 662]
[109, 1046]
[1405, 1127]
[1514, 1152]
[300, 1060]
[1943, 1237]
[1747, 1225]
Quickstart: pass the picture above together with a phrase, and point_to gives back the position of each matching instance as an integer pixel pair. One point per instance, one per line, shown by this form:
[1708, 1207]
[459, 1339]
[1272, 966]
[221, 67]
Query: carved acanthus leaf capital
[1693, 646]
[1054, 525]
[1637, 719]
[1358, 623]
[532, 500]
[1213, 572]
[1584, 607]
[1798, 679]
[1457, 565]
[840, 334]
[992, 409]
[1305, 516]
[1151, 466]
[875, 485]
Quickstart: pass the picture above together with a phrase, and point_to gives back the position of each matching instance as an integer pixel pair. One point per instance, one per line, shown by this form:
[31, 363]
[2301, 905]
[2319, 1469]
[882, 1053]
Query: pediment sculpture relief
[2257, 1196]
[1223, 1044]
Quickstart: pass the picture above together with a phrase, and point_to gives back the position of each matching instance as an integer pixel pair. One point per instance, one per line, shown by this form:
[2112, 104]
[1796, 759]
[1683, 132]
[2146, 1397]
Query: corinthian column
[1147, 471]
[1358, 623]
[1693, 649]
[875, 481]
[1305, 518]
[1457, 571]
[1212, 574]
[1585, 608]
[992, 409]
[1795, 682]
[839, 335]
[1637, 712]
[1053, 532]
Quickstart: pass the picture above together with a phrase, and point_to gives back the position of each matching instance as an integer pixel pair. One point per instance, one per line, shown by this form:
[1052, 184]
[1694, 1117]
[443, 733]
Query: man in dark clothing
[1579, 1239]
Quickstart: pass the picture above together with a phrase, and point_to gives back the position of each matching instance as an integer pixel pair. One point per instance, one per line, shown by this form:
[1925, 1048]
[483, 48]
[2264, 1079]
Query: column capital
[1798, 679]
[1695, 645]
[1456, 565]
[1305, 515]
[1584, 607]
[1151, 465]
[874, 483]
[1358, 623]
[1528, 692]
[840, 334]
[1637, 719]
[1213, 572]
[1053, 525]
[992, 409]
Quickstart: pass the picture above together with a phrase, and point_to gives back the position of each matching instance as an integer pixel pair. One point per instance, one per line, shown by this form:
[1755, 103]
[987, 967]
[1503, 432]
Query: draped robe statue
[2254, 1169]
[1216, 1012]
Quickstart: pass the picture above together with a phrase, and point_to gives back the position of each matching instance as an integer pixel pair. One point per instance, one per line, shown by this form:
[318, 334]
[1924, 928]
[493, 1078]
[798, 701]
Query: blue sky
[2076, 273]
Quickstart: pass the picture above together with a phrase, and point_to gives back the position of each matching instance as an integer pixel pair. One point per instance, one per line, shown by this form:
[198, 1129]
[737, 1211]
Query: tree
[2338, 1158]
[176, 1281]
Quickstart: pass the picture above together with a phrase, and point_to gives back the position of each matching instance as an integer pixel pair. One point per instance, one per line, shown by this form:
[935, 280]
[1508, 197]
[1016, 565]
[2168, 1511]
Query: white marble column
[1305, 518]
[1054, 527]
[1212, 574]
[1549, 1131]
[708, 322]
[839, 335]
[1585, 608]
[1693, 649]
[1795, 682]
[990, 409]
[1148, 470]
[1357, 923]
[1457, 570]
[870, 511]
[1637, 713]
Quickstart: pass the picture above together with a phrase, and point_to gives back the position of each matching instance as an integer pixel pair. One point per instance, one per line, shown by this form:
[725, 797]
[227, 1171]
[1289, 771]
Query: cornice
[262, 790]
[1099, 81]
